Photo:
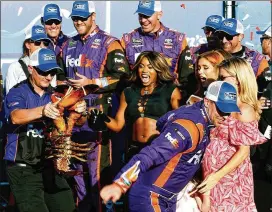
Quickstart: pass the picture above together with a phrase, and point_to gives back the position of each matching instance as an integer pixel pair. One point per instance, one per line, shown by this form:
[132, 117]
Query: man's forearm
[24, 116]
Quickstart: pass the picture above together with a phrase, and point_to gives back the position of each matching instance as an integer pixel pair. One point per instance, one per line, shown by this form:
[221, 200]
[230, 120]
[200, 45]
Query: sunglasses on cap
[52, 21]
[39, 42]
[222, 35]
[207, 30]
[78, 18]
[44, 74]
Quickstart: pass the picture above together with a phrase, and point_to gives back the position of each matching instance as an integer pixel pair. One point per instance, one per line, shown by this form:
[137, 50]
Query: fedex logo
[173, 141]
[81, 61]
[34, 132]
[52, 9]
[196, 159]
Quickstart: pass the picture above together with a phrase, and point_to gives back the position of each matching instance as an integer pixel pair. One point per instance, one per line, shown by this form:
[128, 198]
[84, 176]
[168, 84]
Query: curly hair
[247, 84]
[159, 64]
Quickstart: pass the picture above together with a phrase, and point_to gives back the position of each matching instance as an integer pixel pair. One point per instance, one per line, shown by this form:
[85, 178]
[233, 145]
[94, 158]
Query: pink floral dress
[234, 192]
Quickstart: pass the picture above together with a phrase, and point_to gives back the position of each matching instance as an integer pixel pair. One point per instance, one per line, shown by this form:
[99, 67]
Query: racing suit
[170, 43]
[256, 59]
[161, 170]
[57, 48]
[97, 56]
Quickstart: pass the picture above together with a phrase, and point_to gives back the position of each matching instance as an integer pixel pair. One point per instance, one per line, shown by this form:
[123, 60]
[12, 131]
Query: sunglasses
[221, 36]
[44, 74]
[39, 42]
[77, 18]
[207, 30]
[52, 21]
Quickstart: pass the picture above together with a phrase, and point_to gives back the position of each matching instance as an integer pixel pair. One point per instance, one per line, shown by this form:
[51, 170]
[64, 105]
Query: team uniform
[97, 56]
[24, 151]
[256, 59]
[161, 170]
[170, 43]
[58, 46]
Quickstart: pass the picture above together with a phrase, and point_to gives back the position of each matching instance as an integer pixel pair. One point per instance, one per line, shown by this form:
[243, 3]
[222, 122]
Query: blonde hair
[215, 57]
[247, 84]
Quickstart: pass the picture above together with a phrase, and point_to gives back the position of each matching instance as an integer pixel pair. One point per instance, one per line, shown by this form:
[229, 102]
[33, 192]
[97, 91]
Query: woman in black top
[150, 96]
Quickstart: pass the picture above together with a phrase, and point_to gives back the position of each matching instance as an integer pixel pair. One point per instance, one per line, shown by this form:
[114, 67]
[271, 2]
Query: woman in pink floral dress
[228, 177]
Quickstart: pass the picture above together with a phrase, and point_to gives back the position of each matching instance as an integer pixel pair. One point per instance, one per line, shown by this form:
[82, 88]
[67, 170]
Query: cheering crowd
[196, 122]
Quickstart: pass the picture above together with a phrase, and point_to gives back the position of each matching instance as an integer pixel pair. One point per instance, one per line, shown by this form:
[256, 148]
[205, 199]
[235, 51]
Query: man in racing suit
[160, 171]
[51, 19]
[231, 34]
[153, 35]
[93, 57]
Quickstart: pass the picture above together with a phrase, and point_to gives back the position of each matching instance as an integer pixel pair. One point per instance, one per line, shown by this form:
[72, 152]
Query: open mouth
[145, 78]
[203, 79]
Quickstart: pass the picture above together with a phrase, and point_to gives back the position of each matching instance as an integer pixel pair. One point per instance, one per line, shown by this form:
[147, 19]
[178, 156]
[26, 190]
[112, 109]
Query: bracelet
[122, 189]
[104, 81]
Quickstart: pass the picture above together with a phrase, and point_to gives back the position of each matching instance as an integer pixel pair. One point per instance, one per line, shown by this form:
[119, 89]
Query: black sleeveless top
[152, 105]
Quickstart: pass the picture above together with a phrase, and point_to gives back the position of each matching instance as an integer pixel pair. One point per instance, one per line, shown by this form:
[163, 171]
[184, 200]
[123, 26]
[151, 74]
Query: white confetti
[20, 11]
[246, 17]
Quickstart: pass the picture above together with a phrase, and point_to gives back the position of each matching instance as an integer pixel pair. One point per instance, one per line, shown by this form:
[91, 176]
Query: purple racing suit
[98, 56]
[170, 43]
[161, 170]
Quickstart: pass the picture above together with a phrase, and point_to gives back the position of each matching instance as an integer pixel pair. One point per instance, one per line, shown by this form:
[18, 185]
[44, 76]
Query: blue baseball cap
[214, 21]
[224, 95]
[231, 26]
[82, 9]
[148, 7]
[44, 59]
[51, 11]
[36, 33]
[266, 32]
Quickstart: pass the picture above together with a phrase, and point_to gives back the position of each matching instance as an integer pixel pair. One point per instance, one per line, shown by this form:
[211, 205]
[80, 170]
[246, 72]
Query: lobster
[62, 148]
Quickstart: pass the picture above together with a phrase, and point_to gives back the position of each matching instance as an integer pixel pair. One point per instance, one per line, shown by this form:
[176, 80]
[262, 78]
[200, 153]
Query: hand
[79, 82]
[50, 111]
[81, 106]
[209, 183]
[206, 203]
[111, 193]
[97, 119]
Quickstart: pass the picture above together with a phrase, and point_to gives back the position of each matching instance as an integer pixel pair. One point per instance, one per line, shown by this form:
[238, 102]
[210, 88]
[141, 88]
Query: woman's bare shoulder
[248, 114]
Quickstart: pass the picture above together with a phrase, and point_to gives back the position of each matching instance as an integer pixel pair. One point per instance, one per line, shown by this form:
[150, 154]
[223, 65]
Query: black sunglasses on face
[52, 21]
[38, 43]
[44, 74]
[77, 18]
[221, 36]
[207, 30]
